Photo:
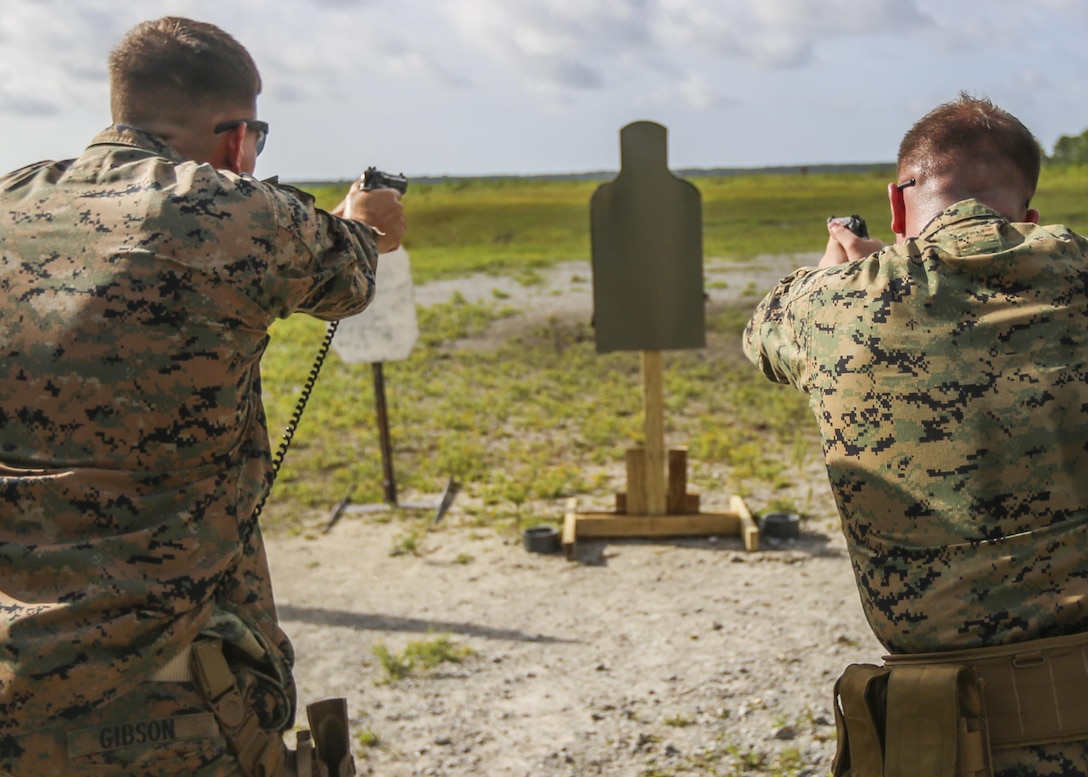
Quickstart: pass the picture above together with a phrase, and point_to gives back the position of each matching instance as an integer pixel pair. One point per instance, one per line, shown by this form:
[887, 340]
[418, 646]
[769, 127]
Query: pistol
[374, 178]
[855, 224]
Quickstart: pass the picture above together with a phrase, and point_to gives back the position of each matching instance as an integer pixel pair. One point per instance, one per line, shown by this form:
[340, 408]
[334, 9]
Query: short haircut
[172, 64]
[971, 135]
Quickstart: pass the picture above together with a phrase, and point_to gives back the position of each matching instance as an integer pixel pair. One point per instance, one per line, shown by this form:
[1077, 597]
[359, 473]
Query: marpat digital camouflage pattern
[137, 293]
[949, 379]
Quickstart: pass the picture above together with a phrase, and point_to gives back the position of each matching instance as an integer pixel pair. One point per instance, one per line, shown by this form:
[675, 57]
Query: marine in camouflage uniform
[949, 378]
[138, 291]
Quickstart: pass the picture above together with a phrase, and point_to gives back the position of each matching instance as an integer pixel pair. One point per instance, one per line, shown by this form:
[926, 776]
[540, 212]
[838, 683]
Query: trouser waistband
[1035, 692]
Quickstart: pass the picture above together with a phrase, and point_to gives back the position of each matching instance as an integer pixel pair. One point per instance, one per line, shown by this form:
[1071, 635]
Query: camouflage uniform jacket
[949, 379]
[138, 290]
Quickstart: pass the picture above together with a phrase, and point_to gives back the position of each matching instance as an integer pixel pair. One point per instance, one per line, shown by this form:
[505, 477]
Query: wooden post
[646, 234]
[677, 502]
[653, 402]
[749, 531]
[636, 482]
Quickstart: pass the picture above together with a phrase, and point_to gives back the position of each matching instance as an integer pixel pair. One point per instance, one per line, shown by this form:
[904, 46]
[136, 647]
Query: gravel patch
[638, 658]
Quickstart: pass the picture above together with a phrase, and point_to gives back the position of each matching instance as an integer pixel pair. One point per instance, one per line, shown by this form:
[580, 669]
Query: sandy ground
[636, 658]
[566, 290]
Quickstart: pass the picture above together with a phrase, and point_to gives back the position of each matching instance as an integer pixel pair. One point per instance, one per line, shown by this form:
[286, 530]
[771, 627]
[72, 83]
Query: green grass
[419, 656]
[537, 418]
[516, 225]
[368, 739]
[461, 227]
[543, 417]
[1060, 198]
[679, 721]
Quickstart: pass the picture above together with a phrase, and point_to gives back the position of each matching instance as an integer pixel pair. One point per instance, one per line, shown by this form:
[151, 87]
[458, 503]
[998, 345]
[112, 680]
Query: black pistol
[855, 224]
[374, 178]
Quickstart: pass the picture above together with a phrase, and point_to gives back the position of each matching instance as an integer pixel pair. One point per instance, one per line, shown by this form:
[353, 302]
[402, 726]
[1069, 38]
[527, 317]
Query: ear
[234, 148]
[899, 210]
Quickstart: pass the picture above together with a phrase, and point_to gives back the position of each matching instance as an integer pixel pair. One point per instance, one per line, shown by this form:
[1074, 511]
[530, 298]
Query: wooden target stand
[655, 505]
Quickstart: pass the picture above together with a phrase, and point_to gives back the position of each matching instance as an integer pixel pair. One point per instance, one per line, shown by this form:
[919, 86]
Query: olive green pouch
[911, 720]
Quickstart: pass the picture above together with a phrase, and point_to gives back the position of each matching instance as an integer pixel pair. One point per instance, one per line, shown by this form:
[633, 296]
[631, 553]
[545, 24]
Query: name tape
[88, 741]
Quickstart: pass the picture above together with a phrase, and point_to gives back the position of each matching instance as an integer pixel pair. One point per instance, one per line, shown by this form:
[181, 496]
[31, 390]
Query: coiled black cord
[296, 416]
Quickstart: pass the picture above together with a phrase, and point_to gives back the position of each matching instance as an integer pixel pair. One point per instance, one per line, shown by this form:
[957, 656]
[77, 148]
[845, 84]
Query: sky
[521, 87]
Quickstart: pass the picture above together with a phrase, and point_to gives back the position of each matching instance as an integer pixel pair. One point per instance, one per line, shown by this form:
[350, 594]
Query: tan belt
[177, 670]
[1035, 692]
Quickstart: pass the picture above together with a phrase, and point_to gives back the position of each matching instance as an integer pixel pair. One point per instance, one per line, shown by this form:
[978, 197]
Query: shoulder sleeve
[775, 337]
[318, 263]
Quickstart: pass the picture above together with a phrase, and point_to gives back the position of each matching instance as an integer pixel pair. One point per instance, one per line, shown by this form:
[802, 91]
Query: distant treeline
[1071, 150]
[1068, 150]
[608, 175]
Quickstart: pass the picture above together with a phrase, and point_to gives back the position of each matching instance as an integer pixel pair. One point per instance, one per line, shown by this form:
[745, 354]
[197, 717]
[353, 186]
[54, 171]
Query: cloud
[340, 48]
[74, 72]
[556, 44]
[350, 4]
[475, 73]
[700, 95]
[13, 100]
[306, 51]
[781, 33]
[76, 37]
[346, 48]
[559, 46]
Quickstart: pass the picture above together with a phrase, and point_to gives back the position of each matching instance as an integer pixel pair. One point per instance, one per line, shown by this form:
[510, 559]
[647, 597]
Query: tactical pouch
[259, 753]
[323, 751]
[860, 700]
[263, 672]
[909, 720]
[328, 740]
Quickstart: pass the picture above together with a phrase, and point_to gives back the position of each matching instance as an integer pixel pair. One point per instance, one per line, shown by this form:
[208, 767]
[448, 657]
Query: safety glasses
[260, 127]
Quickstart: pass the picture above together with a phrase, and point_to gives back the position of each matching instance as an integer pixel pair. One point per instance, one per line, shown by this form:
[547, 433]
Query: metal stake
[383, 431]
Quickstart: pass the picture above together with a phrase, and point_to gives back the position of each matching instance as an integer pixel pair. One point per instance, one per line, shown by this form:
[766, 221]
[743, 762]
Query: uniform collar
[134, 137]
[963, 211]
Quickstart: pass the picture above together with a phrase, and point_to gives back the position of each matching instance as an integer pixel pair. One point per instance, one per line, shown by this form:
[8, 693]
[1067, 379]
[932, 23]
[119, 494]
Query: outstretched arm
[844, 246]
[380, 209]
